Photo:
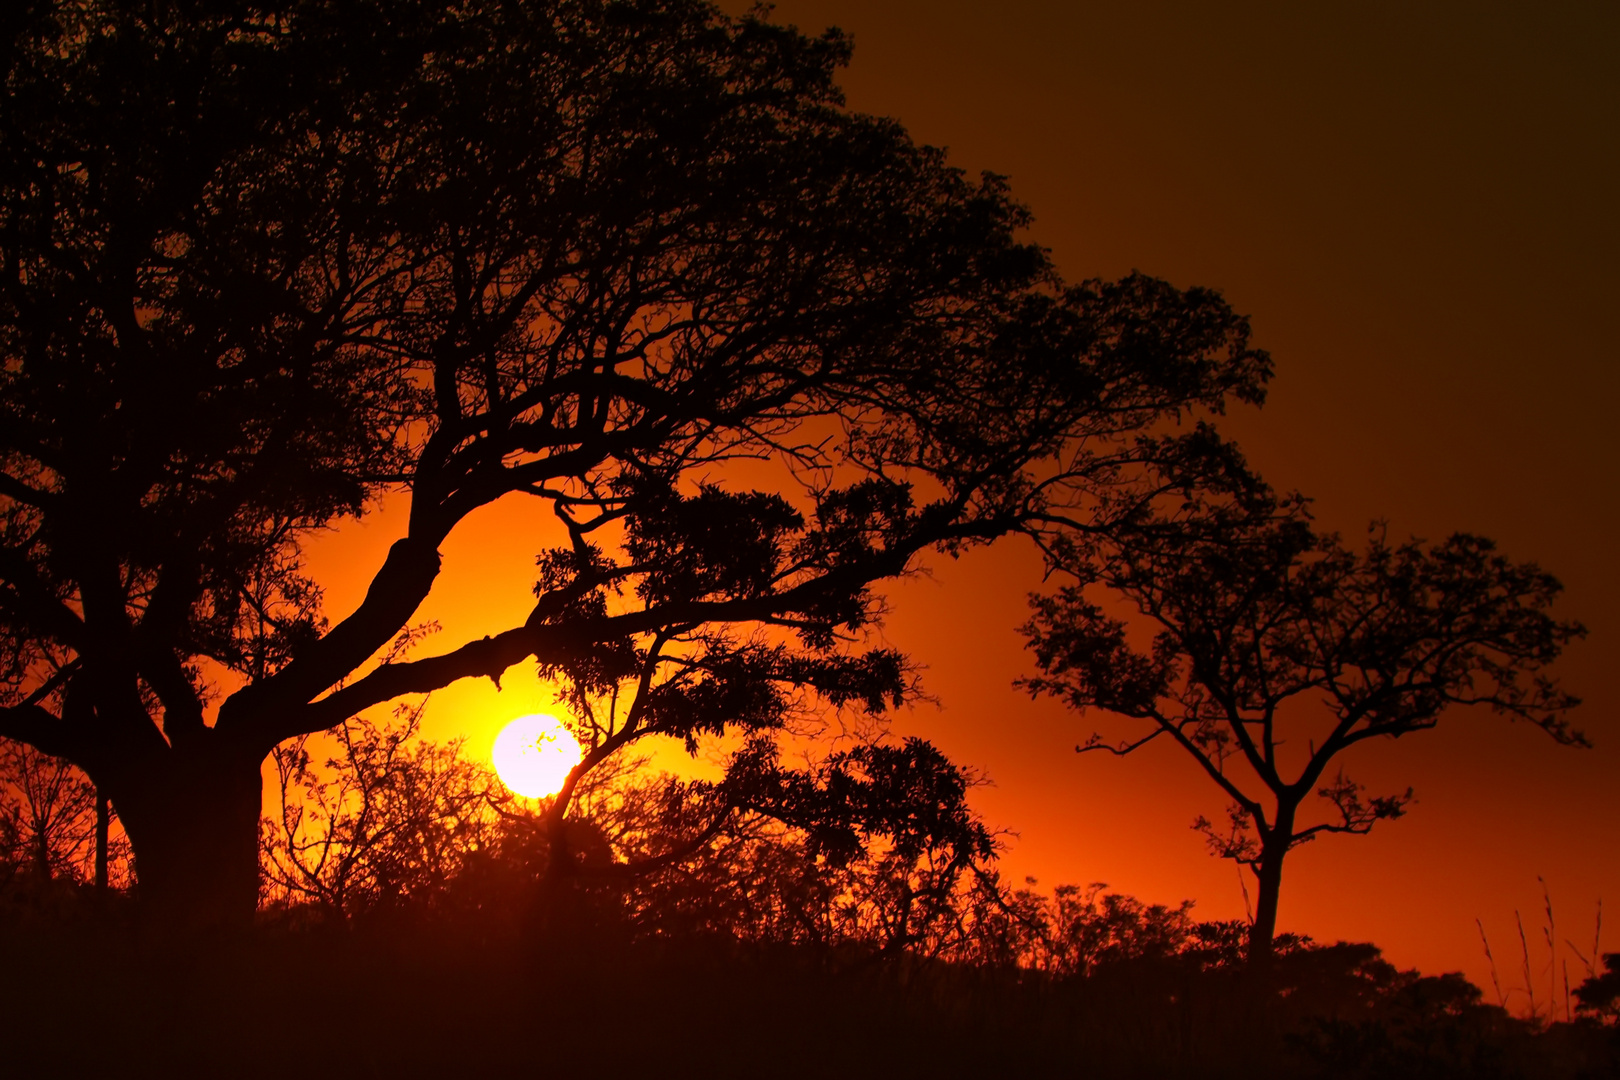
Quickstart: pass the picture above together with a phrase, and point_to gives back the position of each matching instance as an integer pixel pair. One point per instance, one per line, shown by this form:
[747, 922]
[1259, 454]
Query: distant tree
[49, 811]
[1276, 648]
[883, 824]
[889, 886]
[1083, 929]
[265, 263]
[1599, 994]
[49, 825]
[835, 859]
[388, 821]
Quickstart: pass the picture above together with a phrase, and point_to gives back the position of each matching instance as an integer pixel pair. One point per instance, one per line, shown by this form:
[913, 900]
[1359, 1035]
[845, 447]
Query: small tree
[1599, 995]
[50, 828]
[1265, 626]
[389, 821]
[883, 892]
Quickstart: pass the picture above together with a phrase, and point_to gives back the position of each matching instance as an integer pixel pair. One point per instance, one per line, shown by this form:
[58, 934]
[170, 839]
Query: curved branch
[1254, 808]
[37, 726]
[395, 593]
[1122, 748]
[36, 601]
[678, 854]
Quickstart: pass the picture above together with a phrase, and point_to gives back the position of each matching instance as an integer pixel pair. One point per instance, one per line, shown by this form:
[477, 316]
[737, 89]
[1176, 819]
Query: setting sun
[533, 755]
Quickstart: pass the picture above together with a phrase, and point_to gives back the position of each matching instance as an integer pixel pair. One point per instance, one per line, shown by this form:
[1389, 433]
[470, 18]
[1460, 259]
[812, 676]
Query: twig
[1597, 937]
[1568, 1016]
[1524, 947]
[1552, 952]
[1496, 980]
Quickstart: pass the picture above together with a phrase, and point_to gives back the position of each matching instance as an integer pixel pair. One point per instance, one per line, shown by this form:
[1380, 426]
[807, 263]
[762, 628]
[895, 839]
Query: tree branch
[396, 592]
[36, 726]
[642, 867]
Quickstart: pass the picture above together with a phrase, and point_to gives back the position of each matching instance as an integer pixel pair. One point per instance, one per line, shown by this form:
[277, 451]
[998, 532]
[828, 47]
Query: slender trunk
[103, 827]
[194, 828]
[1263, 934]
[42, 854]
[559, 860]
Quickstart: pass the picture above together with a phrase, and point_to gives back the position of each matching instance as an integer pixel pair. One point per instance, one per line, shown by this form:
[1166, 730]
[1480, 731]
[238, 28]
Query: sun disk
[533, 755]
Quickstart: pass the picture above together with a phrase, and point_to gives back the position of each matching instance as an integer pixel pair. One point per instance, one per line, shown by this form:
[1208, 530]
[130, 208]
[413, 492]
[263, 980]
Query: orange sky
[1417, 211]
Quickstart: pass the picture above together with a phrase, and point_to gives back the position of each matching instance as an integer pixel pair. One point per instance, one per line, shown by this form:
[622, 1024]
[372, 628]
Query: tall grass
[1550, 962]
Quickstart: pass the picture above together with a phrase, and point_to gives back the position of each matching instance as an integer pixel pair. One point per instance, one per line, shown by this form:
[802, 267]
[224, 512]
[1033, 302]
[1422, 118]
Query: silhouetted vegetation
[401, 877]
[56, 838]
[1599, 995]
[390, 824]
[1258, 619]
[267, 263]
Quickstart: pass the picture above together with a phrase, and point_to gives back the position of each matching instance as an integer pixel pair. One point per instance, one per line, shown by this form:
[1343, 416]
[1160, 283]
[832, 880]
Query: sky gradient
[1417, 211]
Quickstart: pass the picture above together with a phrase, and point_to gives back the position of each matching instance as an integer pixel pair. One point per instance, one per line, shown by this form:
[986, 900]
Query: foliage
[1258, 618]
[1599, 994]
[269, 261]
[391, 821]
[1077, 930]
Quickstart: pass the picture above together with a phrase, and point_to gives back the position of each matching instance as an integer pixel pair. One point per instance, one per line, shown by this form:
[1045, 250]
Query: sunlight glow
[533, 755]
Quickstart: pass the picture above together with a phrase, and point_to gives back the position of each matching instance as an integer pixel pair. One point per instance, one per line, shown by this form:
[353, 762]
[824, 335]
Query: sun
[533, 755]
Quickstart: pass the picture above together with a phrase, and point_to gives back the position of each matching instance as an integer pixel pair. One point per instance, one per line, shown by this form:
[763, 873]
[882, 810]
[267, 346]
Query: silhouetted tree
[389, 821]
[1268, 632]
[836, 859]
[693, 860]
[49, 824]
[888, 819]
[1599, 994]
[263, 263]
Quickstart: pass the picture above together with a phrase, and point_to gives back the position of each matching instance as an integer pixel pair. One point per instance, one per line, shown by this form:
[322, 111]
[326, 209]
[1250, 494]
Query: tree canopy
[262, 264]
[1276, 647]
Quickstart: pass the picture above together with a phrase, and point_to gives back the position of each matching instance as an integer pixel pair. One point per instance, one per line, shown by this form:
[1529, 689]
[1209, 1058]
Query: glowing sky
[1417, 210]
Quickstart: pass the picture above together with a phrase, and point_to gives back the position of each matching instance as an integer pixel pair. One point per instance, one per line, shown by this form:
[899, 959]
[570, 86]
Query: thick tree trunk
[1263, 934]
[194, 827]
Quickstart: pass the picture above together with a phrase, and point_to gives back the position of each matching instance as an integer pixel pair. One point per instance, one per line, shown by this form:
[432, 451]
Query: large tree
[1266, 649]
[262, 264]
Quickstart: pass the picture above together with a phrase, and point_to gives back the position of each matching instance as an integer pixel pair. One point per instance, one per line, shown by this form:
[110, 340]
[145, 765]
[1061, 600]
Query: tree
[264, 263]
[391, 821]
[50, 827]
[1265, 627]
[1599, 995]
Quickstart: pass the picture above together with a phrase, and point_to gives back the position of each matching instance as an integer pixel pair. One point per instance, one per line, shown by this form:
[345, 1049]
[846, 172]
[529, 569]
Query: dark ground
[96, 995]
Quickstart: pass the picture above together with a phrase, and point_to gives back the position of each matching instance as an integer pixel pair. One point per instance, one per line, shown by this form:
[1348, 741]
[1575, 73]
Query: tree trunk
[41, 854]
[1263, 934]
[103, 828]
[194, 827]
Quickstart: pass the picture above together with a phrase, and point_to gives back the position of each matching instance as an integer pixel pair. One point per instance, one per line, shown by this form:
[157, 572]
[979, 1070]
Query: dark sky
[1417, 209]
